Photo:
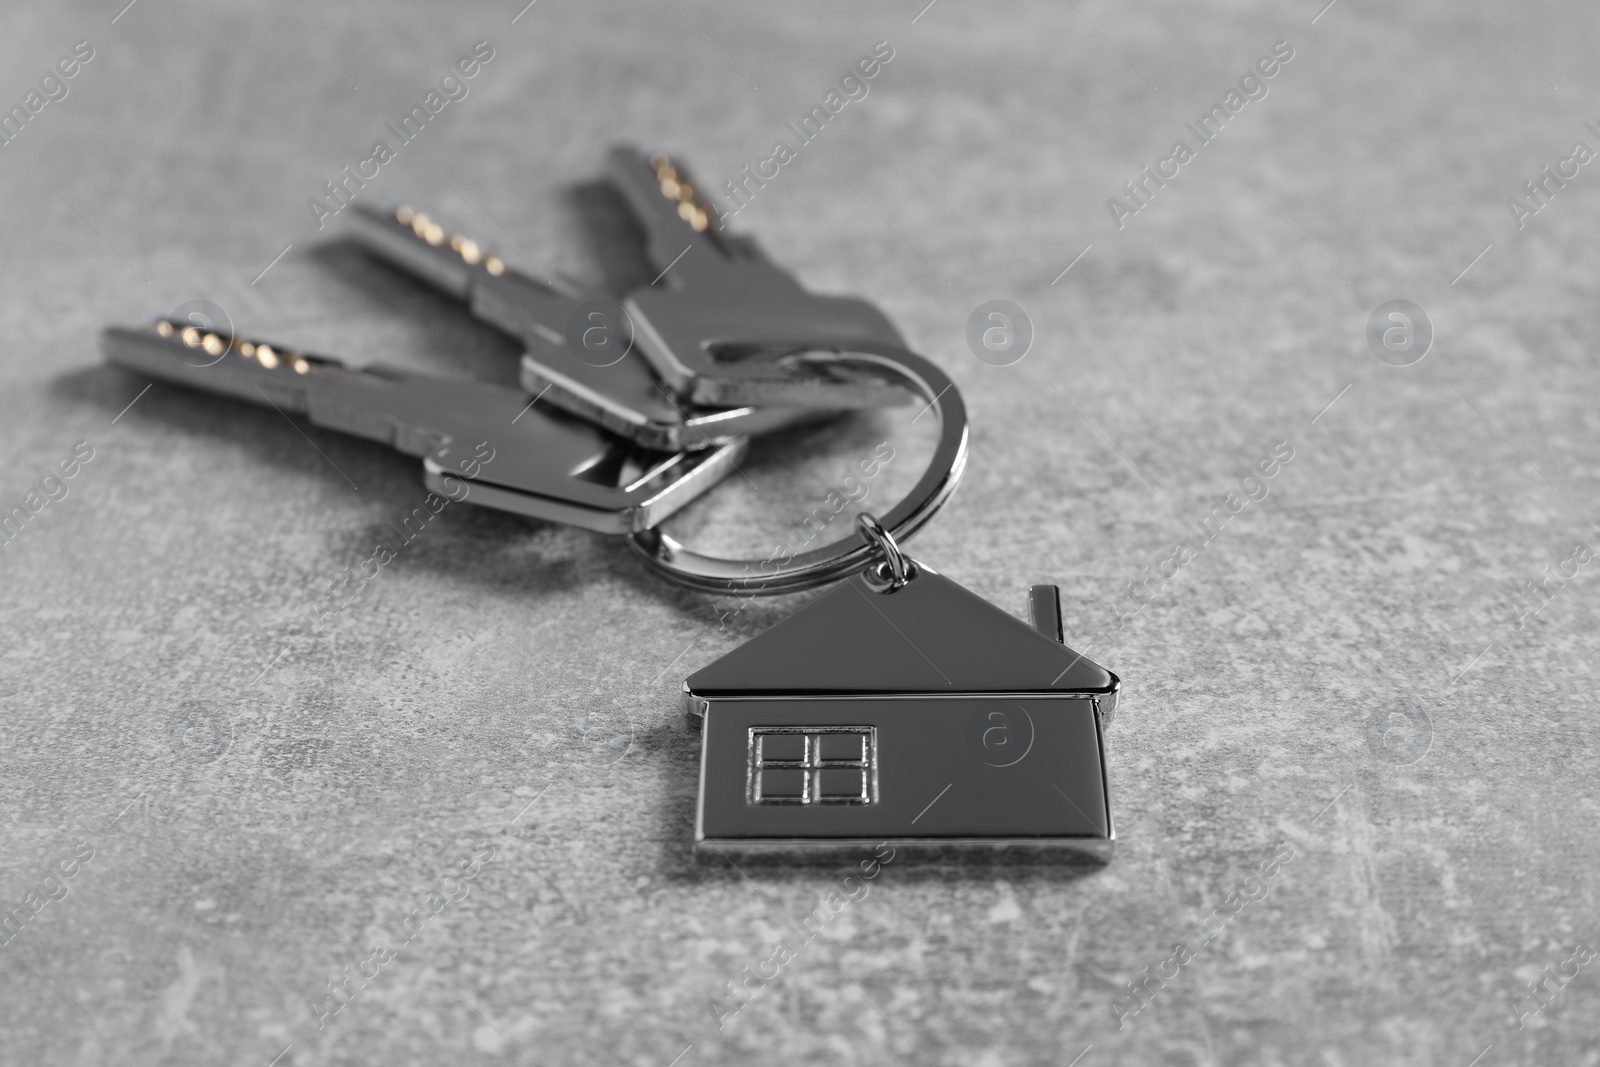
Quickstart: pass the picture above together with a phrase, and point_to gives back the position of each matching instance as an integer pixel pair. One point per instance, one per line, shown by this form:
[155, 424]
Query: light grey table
[264, 802]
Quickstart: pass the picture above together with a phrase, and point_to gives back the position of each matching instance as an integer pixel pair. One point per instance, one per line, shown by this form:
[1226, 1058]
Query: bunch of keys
[898, 707]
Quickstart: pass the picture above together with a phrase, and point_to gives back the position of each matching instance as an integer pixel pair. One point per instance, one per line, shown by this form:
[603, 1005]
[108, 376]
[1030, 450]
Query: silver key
[728, 326]
[626, 397]
[540, 462]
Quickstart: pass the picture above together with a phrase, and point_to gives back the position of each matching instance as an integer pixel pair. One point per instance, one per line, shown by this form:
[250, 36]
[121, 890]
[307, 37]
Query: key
[729, 327]
[546, 464]
[626, 397]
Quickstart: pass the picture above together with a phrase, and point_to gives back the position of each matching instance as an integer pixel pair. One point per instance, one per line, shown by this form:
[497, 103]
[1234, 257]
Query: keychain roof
[931, 636]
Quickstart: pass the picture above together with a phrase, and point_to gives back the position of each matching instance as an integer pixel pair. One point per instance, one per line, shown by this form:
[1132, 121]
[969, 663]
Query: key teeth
[471, 253]
[401, 219]
[217, 343]
[636, 169]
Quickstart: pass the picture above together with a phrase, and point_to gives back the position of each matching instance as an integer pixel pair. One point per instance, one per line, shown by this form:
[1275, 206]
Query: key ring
[833, 562]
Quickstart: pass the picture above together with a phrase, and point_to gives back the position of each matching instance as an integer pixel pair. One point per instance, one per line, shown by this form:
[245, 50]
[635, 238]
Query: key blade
[681, 227]
[257, 371]
[373, 402]
[411, 240]
[471, 272]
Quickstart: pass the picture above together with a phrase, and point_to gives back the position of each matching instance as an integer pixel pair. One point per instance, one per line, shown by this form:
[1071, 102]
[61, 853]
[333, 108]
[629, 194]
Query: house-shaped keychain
[920, 714]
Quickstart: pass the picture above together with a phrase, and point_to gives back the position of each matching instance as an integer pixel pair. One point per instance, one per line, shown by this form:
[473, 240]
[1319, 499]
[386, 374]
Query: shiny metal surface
[931, 636]
[985, 732]
[542, 463]
[1044, 611]
[627, 397]
[724, 322]
[847, 556]
[894, 569]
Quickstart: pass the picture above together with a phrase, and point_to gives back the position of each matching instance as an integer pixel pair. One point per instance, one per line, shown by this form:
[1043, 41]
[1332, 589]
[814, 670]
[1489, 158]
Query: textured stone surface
[171, 592]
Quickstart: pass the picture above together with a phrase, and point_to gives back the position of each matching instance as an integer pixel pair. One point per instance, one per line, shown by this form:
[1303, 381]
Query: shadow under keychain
[898, 706]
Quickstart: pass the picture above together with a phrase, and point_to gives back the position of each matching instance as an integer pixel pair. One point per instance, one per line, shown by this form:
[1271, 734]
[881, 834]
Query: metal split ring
[863, 548]
[895, 569]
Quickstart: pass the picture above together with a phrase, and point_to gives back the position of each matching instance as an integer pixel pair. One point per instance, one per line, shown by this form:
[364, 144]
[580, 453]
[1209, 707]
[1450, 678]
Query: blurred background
[1382, 669]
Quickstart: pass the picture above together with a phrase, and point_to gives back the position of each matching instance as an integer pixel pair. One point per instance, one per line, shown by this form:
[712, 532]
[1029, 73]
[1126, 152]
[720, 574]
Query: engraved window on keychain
[815, 765]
